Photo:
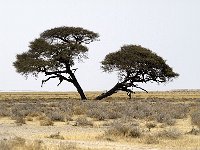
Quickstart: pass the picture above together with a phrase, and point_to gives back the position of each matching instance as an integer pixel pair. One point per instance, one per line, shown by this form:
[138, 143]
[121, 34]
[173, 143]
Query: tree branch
[43, 81]
[61, 78]
[54, 72]
[139, 88]
[62, 38]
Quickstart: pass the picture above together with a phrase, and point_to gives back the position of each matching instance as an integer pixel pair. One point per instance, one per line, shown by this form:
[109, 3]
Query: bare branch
[61, 80]
[74, 70]
[139, 88]
[43, 81]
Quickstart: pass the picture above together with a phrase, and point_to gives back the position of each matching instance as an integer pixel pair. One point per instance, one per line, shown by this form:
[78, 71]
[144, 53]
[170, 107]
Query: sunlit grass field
[179, 95]
[158, 119]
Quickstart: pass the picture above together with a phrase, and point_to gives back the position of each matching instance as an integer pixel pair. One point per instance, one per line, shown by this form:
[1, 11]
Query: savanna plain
[167, 120]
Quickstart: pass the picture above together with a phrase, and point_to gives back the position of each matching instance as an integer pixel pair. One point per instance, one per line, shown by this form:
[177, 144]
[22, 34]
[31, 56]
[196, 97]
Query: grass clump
[56, 116]
[20, 120]
[97, 114]
[19, 143]
[135, 132]
[79, 109]
[56, 136]
[68, 146]
[124, 130]
[83, 121]
[150, 125]
[46, 122]
[194, 131]
[171, 133]
[195, 118]
[151, 139]
[4, 111]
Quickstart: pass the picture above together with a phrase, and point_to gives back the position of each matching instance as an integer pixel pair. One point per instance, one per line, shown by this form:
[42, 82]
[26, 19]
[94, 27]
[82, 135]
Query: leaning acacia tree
[54, 54]
[135, 64]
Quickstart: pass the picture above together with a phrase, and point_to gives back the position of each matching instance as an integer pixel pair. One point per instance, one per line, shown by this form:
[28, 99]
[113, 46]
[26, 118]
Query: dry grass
[19, 143]
[46, 122]
[195, 117]
[83, 121]
[165, 119]
[56, 136]
[172, 95]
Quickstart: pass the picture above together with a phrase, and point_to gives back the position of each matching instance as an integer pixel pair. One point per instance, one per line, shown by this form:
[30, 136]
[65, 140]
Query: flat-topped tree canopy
[55, 52]
[136, 64]
[65, 34]
[139, 63]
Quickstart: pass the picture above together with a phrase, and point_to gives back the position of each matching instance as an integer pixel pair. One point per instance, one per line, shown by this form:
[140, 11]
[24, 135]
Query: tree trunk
[108, 93]
[78, 87]
[80, 90]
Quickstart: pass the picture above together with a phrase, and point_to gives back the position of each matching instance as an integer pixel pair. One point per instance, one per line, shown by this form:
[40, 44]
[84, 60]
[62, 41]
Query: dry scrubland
[158, 120]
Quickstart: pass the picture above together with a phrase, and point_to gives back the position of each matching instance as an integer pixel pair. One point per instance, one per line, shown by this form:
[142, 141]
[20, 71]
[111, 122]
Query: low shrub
[28, 118]
[150, 125]
[162, 117]
[179, 111]
[195, 118]
[118, 129]
[4, 111]
[170, 122]
[19, 143]
[46, 122]
[194, 131]
[36, 145]
[151, 139]
[97, 114]
[135, 132]
[83, 121]
[126, 130]
[56, 136]
[171, 133]
[20, 120]
[56, 116]
[34, 114]
[79, 109]
[68, 117]
[68, 146]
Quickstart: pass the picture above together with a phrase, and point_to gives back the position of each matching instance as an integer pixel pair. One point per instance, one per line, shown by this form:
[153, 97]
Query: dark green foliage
[54, 53]
[136, 64]
[53, 49]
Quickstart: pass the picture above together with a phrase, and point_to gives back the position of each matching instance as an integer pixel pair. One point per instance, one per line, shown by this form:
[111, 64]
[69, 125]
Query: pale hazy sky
[171, 28]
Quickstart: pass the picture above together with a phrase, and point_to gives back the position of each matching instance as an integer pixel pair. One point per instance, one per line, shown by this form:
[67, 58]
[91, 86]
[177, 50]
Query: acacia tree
[54, 53]
[135, 64]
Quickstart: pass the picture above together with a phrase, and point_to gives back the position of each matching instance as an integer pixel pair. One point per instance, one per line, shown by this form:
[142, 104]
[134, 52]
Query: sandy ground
[84, 137]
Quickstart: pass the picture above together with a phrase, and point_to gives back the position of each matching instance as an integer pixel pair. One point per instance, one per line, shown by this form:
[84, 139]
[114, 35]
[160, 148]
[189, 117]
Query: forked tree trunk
[108, 93]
